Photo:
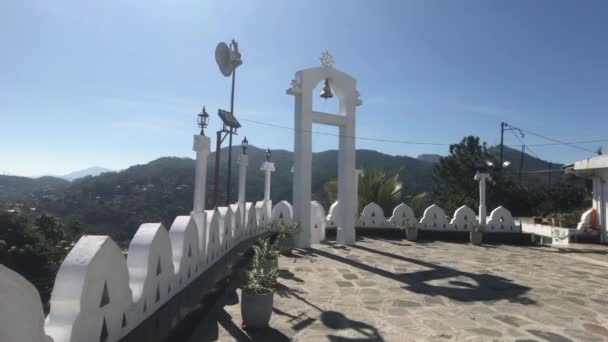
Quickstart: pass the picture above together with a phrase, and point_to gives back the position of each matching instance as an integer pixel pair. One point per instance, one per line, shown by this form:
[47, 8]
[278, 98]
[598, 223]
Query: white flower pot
[256, 309]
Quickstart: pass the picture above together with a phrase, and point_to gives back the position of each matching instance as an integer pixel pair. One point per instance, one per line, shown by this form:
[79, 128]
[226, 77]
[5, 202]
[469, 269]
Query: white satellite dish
[223, 60]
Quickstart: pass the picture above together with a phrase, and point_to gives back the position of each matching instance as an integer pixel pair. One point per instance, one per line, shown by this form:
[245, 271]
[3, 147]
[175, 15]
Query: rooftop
[395, 290]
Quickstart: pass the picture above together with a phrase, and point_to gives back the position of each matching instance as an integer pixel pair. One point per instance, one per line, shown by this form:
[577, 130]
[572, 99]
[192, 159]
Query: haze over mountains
[91, 171]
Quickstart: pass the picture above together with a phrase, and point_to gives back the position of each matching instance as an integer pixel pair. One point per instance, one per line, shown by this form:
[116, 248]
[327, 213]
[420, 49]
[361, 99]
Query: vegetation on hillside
[35, 245]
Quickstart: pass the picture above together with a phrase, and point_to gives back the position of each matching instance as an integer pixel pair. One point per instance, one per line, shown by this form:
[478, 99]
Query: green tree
[454, 173]
[35, 246]
[420, 202]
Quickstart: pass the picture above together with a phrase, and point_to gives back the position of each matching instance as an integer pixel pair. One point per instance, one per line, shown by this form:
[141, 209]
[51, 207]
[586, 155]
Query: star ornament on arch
[327, 60]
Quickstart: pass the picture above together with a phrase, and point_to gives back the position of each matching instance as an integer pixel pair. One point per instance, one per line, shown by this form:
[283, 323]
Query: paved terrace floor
[394, 290]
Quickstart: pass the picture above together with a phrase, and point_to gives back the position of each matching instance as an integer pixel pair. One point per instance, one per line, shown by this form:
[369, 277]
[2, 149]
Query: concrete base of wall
[177, 319]
[429, 235]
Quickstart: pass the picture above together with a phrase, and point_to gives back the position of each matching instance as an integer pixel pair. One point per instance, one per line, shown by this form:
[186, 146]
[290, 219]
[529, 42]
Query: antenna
[222, 58]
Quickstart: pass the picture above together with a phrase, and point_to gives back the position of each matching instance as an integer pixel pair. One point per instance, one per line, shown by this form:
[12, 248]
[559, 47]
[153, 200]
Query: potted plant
[285, 235]
[476, 234]
[411, 231]
[267, 253]
[257, 293]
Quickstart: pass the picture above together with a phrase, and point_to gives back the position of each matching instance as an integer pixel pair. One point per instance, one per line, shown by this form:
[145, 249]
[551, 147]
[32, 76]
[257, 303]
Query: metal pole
[216, 177]
[230, 139]
[521, 163]
[502, 133]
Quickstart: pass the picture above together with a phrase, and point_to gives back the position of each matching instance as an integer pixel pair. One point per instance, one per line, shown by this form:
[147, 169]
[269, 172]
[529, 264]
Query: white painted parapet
[317, 220]
[283, 211]
[151, 273]
[372, 216]
[434, 218]
[403, 216]
[21, 316]
[332, 216]
[464, 219]
[91, 297]
[501, 221]
[186, 254]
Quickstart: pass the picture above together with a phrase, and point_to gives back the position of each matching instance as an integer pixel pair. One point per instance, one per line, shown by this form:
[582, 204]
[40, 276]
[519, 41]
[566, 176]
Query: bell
[326, 93]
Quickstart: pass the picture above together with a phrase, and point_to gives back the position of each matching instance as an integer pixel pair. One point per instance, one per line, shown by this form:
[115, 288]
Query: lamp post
[243, 161]
[482, 176]
[268, 168]
[203, 120]
[201, 146]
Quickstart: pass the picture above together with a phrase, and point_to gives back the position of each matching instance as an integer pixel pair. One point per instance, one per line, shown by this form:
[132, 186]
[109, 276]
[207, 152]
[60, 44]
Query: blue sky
[115, 83]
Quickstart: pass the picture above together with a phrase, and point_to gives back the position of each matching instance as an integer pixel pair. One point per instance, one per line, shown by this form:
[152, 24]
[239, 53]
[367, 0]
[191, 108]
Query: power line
[419, 142]
[340, 135]
[555, 140]
[571, 142]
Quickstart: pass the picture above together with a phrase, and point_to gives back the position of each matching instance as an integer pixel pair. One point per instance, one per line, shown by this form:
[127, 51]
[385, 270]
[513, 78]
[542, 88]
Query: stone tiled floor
[392, 290]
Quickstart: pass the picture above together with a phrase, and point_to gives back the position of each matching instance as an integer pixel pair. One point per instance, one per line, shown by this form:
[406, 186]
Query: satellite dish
[223, 60]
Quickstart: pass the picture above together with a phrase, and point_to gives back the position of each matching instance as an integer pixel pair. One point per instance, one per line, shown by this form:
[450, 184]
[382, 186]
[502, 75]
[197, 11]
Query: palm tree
[374, 186]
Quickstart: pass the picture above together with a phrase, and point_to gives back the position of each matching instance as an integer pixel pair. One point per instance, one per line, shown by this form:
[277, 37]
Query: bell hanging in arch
[326, 93]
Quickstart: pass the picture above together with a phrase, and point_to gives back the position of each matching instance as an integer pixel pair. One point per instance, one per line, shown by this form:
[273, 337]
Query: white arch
[332, 215]
[317, 220]
[20, 309]
[501, 221]
[92, 287]
[464, 218]
[434, 218]
[403, 216]
[346, 90]
[283, 211]
[372, 216]
[185, 250]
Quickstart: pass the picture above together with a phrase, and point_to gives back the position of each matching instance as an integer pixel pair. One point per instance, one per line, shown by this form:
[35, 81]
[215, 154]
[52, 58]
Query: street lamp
[203, 120]
[244, 145]
[268, 154]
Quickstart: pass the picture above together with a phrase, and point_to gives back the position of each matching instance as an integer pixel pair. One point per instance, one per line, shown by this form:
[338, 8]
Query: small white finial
[327, 60]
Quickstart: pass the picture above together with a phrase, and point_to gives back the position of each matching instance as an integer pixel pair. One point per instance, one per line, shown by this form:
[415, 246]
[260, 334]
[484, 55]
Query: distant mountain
[431, 158]
[91, 171]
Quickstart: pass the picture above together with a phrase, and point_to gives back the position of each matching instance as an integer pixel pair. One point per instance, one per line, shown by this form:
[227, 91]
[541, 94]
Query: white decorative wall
[101, 296]
[372, 216]
[21, 316]
[317, 221]
[464, 219]
[91, 297]
[501, 221]
[434, 218]
[151, 273]
[332, 215]
[403, 216]
[283, 211]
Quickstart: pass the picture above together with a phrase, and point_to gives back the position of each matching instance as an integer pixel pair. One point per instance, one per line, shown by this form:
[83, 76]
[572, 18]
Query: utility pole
[230, 139]
[521, 163]
[502, 136]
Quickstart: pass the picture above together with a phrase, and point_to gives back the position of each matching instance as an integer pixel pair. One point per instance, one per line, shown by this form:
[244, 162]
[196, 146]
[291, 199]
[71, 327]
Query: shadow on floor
[331, 319]
[482, 287]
